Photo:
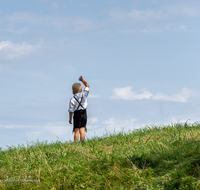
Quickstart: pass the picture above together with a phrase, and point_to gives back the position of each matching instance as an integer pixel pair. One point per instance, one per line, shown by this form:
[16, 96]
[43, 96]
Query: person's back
[78, 106]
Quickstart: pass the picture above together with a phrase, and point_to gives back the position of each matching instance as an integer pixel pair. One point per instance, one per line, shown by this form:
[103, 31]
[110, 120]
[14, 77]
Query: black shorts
[80, 118]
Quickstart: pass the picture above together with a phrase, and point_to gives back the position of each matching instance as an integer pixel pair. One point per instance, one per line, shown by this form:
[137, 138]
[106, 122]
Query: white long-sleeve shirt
[73, 104]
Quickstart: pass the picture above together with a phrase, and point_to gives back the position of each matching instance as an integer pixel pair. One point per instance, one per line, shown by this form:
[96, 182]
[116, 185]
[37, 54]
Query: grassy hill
[152, 158]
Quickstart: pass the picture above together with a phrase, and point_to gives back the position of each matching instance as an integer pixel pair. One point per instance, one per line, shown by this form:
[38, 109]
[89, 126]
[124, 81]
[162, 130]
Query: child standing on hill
[78, 106]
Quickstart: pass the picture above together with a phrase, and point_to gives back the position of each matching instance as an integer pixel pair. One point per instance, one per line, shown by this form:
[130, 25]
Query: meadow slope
[156, 157]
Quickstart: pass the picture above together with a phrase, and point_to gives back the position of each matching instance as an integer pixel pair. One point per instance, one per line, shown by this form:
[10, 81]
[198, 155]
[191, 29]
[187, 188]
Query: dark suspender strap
[79, 102]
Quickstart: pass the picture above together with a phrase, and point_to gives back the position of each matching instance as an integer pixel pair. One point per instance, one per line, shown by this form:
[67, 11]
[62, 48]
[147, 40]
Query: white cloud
[149, 14]
[153, 19]
[182, 121]
[48, 130]
[132, 19]
[126, 93]
[91, 123]
[52, 130]
[77, 24]
[182, 96]
[137, 15]
[57, 130]
[14, 126]
[182, 10]
[92, 120]
[8, 126]
[9, 50]
[177, 26]
[119, 125]
[94, 96]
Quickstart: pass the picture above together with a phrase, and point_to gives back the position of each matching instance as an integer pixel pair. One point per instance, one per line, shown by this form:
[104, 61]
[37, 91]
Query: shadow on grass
[181, 165]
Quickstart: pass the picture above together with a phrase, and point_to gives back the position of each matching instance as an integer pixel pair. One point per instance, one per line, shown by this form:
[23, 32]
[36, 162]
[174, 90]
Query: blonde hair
[77, 87]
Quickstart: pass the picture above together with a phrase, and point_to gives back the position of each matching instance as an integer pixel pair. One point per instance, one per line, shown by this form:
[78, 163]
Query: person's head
[76, 88]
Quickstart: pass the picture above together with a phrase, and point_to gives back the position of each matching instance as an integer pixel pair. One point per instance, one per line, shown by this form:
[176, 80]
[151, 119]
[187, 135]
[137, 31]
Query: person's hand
[83, 81]
[80, 78]
[70, 121]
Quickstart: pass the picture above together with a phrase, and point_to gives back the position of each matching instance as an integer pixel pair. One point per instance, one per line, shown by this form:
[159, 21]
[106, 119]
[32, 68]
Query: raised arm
[83, 81]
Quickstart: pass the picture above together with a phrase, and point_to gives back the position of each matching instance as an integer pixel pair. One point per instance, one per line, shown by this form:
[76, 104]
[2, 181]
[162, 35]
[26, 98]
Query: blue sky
[140, 58]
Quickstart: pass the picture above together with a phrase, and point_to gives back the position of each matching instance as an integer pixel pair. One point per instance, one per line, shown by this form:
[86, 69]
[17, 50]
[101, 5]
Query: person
[77, 109]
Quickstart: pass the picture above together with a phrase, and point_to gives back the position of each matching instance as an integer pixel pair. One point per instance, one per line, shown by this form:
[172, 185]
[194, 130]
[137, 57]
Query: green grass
[158, 157]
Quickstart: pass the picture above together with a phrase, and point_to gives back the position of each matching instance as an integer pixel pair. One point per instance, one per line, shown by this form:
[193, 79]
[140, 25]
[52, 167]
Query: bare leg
[82, 133]
[76, 135]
